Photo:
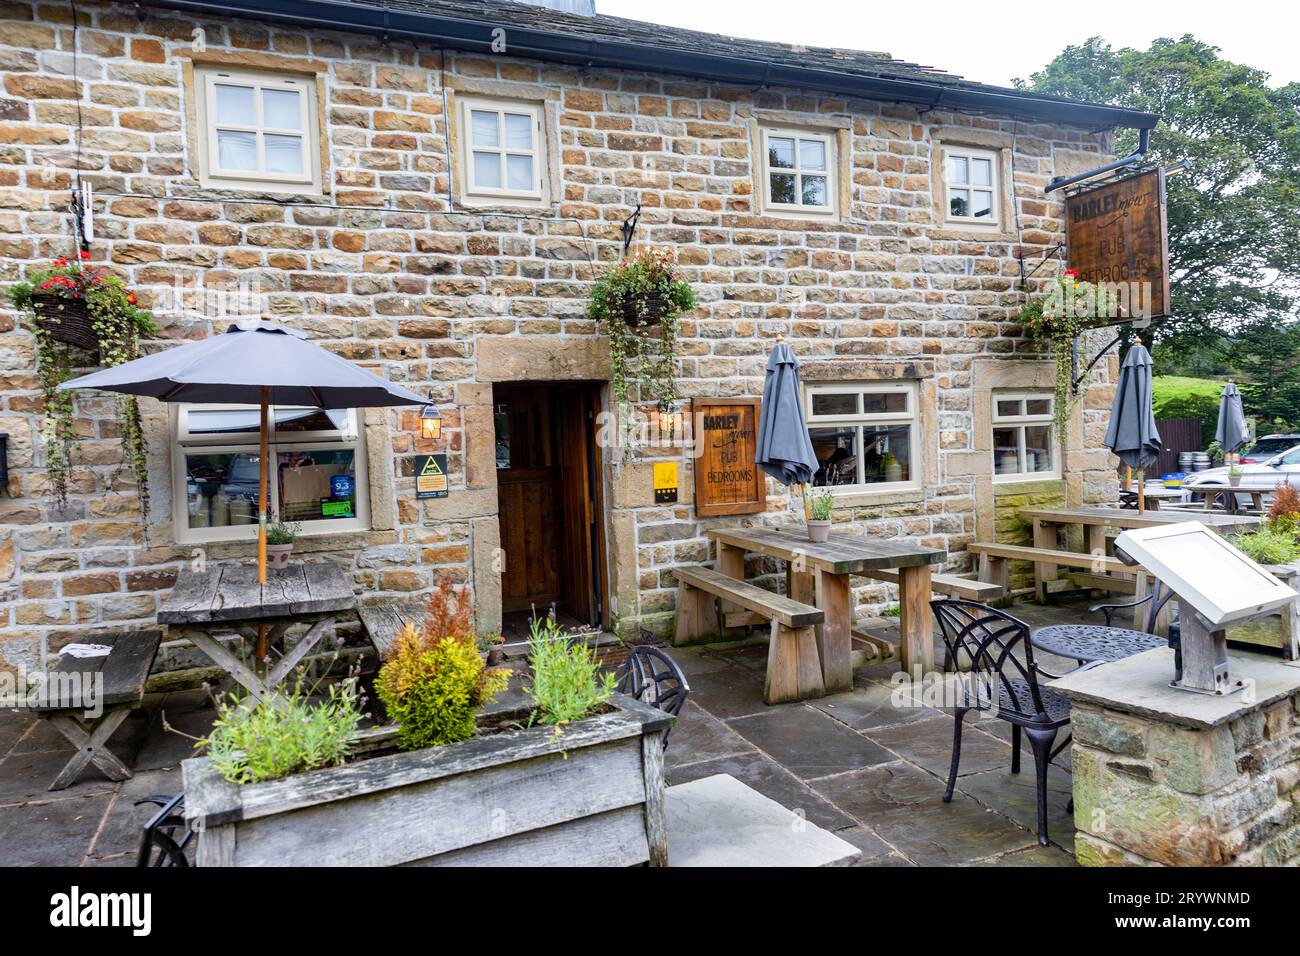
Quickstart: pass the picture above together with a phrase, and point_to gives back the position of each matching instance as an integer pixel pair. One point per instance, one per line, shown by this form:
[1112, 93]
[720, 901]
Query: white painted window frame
[1019, 422]
[466, 105]
[830, 141]
[971, 153]
[206, 80]
[350, 438]
[912, 417]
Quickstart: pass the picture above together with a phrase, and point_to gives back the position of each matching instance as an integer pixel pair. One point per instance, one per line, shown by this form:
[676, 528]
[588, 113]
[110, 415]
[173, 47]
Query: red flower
[85, 254]
[1072, 273]
[130, 297]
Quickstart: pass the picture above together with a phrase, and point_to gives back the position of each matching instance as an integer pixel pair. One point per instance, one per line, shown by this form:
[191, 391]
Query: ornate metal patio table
[228, 597]
[1093, 642]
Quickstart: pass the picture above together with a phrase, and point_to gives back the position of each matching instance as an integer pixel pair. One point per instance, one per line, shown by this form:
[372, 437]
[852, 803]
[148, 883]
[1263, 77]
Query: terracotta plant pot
[66, 320]
[277, 556]
[1234, 480]
[818, 531]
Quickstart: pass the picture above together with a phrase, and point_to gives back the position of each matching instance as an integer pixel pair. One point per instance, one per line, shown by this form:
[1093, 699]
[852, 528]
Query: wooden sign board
[1120, 233]
[727, 482]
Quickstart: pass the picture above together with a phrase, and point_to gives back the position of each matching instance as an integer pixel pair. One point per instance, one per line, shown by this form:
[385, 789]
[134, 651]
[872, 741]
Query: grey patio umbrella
[1232, 433]
[783, 449]
[253, 363]
[1132, 434]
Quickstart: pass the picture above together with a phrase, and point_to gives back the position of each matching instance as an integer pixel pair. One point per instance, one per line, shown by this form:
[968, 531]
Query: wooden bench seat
[949, 585]
[87, 698]
[382, 622]
[794, 670]
[994, 557]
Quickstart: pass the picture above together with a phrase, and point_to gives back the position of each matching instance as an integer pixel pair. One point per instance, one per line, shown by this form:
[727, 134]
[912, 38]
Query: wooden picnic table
[1256, 489]
[228, 597]
[819, 573]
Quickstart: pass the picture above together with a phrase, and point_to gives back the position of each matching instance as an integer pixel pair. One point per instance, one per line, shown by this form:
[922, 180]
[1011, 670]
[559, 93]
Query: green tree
[1268, 354]
[1234, 219]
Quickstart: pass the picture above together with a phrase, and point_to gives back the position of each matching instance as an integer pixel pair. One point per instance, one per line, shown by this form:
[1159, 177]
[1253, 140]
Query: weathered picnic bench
[947, 585]
[87, 698]
[383, 622]
[794, 667]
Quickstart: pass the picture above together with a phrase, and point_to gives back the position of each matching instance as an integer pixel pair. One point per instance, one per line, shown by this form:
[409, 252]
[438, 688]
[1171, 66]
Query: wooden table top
[1124, 518]
[844, 553]
[1244, 487]
[230, 592]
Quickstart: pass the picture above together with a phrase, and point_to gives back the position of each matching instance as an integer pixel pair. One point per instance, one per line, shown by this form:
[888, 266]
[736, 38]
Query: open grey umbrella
[1132, 434]
[253, 363]
[1232, 433]
[783, 449]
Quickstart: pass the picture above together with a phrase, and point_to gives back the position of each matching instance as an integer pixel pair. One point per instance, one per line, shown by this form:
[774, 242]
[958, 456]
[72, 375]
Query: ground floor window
[865, 435]
[1023, 442]
[317, 471]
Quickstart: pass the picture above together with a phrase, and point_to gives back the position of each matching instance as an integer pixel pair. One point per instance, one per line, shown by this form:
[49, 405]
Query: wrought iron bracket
[629, 229]
[1026, 276]
[1077, 377]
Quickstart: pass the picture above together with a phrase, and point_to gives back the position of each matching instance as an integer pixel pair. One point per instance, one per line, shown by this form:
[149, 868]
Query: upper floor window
[502, 153]
[257, 130]
[971, 185]
[799, 171]
[1024, 443]
[865, 435]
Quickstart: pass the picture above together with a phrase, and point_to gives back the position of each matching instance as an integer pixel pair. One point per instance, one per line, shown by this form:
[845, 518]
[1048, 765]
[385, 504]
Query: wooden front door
[545, 480]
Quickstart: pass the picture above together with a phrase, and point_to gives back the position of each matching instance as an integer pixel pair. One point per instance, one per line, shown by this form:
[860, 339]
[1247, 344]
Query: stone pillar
[1170, 777]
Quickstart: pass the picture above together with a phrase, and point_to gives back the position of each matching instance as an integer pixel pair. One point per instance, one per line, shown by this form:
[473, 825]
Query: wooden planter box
[1281, 629]
[593, 796]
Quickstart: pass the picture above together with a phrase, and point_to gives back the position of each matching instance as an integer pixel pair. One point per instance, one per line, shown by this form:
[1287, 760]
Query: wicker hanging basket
[66, 320]
[647, 311]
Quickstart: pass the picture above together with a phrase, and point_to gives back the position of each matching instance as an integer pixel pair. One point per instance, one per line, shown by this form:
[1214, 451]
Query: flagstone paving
[869, 764]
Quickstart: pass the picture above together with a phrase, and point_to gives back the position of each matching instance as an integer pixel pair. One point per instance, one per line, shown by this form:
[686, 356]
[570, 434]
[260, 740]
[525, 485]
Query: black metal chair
[158, 843]
[1001, 684]
[1159, 597]
[654, 678]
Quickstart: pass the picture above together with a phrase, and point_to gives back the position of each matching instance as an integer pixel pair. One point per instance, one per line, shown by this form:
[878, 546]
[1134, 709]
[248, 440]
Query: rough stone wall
[1147, 792]
[388, 271]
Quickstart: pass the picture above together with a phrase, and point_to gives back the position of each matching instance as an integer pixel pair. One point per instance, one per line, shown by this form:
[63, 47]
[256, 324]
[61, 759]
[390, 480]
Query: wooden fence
[1177, 435]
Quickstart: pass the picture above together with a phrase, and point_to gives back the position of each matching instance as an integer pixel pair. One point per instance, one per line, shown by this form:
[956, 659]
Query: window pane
[1008, 407]
[217, 421]
[1038, 448]
[837, 455]
[317, 485]
[487, 170]
[1006, 452]
[283, 153]
[519, 172]
[310, 420]
[221, 490]
[888, 454]
[484, 126]
[280, 109]
[981, 172]
[1038, 406]
[236, 150]
[780, 152]
[884, 402]
[235, 105]
[814, 191]
[846, 404]
[958, 202]
[783, 188]
[982, 203]
[519, 131]
[957, 170]
[812, 154]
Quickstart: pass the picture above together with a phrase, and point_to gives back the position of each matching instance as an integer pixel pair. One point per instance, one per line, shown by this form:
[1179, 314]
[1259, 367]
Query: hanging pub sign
[1119, 235]
[430, 476]
[727, 482]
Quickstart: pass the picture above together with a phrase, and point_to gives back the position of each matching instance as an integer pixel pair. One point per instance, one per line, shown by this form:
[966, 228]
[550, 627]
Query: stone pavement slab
[808, 743]
[772, 780]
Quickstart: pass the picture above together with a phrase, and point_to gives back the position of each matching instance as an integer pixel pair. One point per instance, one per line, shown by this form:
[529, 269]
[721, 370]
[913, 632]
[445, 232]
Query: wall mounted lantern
[430, 422]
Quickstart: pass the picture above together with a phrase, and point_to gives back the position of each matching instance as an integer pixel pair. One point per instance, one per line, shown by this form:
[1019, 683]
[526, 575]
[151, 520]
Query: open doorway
[550, 506]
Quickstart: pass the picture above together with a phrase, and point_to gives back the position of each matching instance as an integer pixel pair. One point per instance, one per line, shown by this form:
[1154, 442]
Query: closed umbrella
[253, 363]
[1231, 433]
[783, 449]
[1132, 434]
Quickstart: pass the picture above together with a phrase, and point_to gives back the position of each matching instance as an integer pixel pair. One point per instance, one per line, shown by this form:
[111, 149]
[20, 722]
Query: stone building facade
[386, 259]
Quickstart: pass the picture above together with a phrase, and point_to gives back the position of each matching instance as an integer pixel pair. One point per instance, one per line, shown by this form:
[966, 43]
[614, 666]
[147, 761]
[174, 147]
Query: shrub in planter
[280, 537]
[77, 310]
[1268, 546]
[822, 508]
[566, 684]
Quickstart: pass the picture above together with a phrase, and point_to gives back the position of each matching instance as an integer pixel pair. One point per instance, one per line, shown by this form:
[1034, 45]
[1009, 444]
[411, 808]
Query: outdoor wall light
[430, 422]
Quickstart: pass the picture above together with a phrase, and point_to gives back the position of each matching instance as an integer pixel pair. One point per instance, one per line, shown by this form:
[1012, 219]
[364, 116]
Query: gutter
[588, 51]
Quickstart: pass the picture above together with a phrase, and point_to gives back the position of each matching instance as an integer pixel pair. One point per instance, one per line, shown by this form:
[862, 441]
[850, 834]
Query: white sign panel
[1220, 582]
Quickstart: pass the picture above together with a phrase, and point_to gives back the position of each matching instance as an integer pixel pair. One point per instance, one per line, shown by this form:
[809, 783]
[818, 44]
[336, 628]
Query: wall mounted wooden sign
[727, 482]
[1120, 233]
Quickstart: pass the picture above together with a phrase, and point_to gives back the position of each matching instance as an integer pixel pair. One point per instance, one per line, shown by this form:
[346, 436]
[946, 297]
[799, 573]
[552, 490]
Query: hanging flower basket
[66, 320]
[643, 316]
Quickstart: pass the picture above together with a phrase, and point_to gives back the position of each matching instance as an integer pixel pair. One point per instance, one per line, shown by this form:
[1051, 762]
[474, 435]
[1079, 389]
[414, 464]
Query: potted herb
[822, 507]
[574, 776]
[77, 312]
[1235, 471]
[639, 302]
[280, 536]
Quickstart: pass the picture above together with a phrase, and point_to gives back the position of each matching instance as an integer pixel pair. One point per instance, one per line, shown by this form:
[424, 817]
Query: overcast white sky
[1012, 39]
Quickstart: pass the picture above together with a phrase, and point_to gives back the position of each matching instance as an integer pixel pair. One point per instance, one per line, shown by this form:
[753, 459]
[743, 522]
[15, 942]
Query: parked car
[1268, 446]
[1275, 470]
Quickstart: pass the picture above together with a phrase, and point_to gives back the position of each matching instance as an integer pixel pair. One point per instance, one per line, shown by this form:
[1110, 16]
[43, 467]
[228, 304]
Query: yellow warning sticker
[431, 476]
[665, 481]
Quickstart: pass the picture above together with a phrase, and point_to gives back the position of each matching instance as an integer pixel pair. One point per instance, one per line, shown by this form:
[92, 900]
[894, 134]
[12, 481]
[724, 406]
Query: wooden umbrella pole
[807, 506]
[1128, 477]
[262, 482]
[1142, 495]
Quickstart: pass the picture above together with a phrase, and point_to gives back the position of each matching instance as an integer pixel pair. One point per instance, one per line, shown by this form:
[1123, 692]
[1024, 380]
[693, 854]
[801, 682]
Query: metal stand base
[1232, 689]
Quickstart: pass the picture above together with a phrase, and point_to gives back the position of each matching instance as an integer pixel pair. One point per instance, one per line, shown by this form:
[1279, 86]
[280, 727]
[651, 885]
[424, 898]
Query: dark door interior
[549, 515]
